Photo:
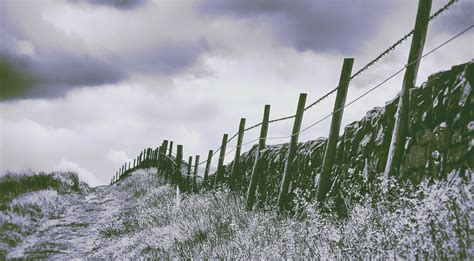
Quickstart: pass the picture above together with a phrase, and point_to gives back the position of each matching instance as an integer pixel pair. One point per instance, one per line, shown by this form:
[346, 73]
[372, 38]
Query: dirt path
[76, 232]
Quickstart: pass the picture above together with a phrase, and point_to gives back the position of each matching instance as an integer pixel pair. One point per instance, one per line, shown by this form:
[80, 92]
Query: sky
[85, 85]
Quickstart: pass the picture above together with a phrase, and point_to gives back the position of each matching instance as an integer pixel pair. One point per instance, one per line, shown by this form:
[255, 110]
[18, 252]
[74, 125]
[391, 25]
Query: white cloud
[84, 174]
[118, 156]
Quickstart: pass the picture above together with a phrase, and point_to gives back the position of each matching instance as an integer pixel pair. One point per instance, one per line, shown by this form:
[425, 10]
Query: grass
[395, 221]
[430, 221]
[27, 199]
[12, 185]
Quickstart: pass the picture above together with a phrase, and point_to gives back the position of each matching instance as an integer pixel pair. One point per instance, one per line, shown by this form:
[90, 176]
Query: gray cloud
[32, 65]
[306, 24]
[458, 17]
[52, 75]
[120, 4]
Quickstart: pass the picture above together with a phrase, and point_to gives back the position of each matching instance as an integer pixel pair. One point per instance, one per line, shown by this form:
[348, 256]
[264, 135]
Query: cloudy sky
[86, 84]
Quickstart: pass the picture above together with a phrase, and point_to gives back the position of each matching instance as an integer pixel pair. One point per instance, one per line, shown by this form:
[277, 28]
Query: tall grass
[430, 221]
[28, 199]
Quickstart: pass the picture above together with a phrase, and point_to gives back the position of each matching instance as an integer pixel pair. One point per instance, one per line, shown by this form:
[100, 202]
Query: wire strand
[360, 71]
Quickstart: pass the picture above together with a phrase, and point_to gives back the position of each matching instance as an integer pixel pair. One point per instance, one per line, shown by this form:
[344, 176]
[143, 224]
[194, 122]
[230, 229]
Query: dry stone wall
[440, 140]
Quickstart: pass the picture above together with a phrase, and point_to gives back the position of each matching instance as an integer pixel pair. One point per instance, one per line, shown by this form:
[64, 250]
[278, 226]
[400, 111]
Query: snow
[366, 139]
[365, 172]
[435, 154]
[470, 126]
[466, 91]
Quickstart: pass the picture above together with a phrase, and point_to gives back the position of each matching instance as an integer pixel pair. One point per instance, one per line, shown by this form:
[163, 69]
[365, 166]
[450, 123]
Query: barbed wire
[360, 71]
[367, 92]
[366, 67]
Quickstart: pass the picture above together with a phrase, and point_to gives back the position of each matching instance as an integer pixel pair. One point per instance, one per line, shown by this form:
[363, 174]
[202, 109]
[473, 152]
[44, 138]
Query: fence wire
[365, 93]
[359, 72]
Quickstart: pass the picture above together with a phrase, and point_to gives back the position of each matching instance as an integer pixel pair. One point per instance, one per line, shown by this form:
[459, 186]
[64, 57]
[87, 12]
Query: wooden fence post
[235, 173]
[331, 143]
[188, 178]
[158, 157]
[397, 143]
[220, 165]
[177, 177]
[169, 172]
[257, 172]
[164, 147]
[157, 153]
[148, 157]
[196, 169]
[208, 167]
[283, 199]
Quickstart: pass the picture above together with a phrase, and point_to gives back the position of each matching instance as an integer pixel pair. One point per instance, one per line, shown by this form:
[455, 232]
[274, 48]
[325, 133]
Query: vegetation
[27, 199]
[429, 221]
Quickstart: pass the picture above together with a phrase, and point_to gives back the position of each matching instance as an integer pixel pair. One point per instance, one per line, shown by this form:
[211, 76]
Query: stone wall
[440, 140]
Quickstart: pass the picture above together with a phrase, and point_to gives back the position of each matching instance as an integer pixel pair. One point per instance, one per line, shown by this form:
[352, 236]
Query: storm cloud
[120, 4]
[308, 25]
[42, 60]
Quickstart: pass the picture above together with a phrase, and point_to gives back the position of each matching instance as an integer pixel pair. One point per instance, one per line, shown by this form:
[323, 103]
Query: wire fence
[325, 96]
[359, 72]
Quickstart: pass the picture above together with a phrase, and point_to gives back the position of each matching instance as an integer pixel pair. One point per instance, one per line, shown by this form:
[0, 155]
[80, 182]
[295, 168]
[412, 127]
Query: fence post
[283, 199]
[257, 175]
[331, 143]
[220, 164]
[208, 167]
[196, 169]
[169, 172]
[397, 143]
[148, 157]
[235, 173]
[177, 177]
[162, 158]
[157, 154]
[188, 178]
[157, 157]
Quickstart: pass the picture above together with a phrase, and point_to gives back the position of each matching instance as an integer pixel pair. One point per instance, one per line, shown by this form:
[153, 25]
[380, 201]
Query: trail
[76, 232]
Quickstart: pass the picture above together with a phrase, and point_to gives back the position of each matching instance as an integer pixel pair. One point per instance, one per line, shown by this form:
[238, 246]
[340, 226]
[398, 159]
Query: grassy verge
[430, 221]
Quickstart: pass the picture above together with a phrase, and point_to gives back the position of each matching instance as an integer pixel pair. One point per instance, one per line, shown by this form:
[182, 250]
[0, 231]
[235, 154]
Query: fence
[171, 165]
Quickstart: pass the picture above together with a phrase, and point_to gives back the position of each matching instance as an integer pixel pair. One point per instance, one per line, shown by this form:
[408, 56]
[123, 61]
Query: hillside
[57, 216]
